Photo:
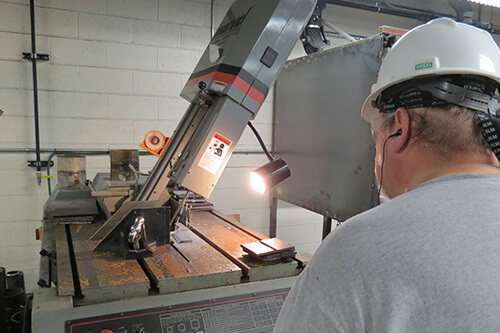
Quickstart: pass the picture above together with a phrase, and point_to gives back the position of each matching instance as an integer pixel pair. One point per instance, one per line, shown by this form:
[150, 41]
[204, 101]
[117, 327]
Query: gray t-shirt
[426, 261]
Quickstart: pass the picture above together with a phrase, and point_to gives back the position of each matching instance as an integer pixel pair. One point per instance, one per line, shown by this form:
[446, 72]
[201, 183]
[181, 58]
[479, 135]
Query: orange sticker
[222, 139]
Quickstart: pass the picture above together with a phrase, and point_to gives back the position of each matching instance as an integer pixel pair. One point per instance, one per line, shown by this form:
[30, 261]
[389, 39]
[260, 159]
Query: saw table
[205, 255]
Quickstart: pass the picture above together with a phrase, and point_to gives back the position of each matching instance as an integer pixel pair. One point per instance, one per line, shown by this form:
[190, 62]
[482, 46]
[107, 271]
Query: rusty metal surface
[65, 281]
[227, 238]
[104, 276]
[191, 265]
[239, 225]
[211, 260]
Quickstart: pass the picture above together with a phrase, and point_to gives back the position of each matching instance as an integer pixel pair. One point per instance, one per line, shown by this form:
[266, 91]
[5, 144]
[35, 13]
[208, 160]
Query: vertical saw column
[232, 79]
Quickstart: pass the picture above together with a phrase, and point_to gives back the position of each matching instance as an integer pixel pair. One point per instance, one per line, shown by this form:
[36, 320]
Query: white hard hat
[439, 47]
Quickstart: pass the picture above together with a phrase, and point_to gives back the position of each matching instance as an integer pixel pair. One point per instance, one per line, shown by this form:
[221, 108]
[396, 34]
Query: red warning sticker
[222, 139]
[214, 154]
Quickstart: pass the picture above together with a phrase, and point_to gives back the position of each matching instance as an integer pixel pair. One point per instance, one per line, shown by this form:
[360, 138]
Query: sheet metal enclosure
[319, 131]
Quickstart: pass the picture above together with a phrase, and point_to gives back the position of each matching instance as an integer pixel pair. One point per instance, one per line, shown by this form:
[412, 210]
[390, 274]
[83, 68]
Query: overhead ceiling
[423, 10]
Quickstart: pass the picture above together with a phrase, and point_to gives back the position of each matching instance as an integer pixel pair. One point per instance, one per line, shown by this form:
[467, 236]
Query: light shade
[269, 175]
[492, 3]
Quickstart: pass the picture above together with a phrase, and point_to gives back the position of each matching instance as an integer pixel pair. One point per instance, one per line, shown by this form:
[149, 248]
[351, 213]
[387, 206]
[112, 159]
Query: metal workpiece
[227, 235]
[121, 159]
[71, 172]
[320, 133]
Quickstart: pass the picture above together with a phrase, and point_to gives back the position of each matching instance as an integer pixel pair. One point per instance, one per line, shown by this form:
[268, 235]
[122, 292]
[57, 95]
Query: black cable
[261, 142]
[383, 161]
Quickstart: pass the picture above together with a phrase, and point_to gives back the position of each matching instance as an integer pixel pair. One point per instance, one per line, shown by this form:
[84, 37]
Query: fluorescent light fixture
[492, 3]
[269, 175]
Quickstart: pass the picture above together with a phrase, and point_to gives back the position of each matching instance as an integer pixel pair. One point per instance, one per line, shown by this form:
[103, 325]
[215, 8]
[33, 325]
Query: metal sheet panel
[319, 131]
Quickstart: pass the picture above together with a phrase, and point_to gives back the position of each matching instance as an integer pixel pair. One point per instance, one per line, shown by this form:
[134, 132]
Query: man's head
[434, 104]
[416, 145]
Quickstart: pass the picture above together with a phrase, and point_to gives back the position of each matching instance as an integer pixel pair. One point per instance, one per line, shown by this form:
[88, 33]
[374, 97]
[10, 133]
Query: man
[429, 259]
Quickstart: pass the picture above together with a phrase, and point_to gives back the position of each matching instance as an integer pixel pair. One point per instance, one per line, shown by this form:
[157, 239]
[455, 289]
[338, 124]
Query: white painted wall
[116, 70]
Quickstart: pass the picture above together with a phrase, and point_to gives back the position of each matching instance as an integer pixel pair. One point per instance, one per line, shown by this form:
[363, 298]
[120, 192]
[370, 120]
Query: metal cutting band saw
[195, 278]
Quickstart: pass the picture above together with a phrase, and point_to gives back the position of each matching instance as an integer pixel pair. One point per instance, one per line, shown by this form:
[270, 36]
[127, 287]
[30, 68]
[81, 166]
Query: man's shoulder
[367, 235]
[429, 194]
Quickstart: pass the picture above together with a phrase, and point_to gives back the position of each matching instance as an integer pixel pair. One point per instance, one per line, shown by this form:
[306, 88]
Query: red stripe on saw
[256, 95]
[230, 79]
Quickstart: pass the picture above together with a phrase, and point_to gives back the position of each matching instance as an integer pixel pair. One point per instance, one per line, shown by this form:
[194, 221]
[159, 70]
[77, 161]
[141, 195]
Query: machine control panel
[250, 313]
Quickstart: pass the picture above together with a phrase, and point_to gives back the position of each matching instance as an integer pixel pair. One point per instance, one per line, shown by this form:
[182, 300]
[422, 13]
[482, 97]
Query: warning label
[215, 153]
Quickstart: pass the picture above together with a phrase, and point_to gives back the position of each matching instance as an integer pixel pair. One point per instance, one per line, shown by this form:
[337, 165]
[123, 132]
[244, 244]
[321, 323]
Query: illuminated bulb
[269, 175]
[257, 182]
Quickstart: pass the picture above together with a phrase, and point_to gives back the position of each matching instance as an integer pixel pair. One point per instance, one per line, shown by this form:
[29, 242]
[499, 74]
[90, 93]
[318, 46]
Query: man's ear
[402, 122]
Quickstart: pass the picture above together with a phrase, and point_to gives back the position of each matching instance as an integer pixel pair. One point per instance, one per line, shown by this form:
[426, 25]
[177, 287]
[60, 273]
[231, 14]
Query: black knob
[202, 85]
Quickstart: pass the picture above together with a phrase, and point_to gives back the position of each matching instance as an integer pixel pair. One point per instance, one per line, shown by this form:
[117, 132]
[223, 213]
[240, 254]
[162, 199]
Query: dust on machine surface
[134, 253]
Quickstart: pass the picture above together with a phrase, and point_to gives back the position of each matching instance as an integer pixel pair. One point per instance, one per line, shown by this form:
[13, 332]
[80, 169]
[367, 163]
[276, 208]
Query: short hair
[446, 130]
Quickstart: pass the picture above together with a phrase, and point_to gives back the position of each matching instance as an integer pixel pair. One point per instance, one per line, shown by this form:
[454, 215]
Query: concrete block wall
[115, 72]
